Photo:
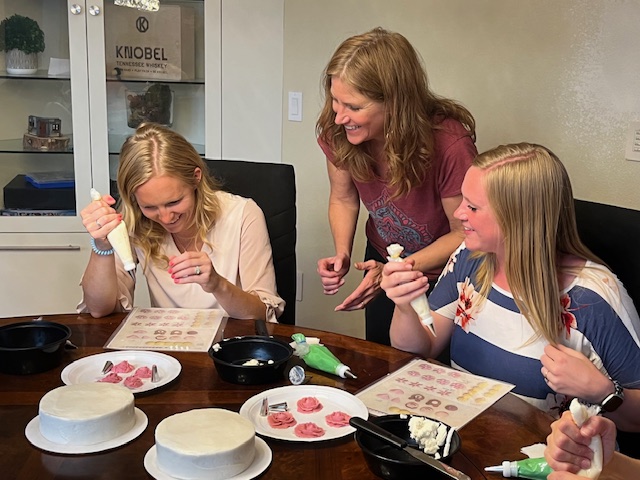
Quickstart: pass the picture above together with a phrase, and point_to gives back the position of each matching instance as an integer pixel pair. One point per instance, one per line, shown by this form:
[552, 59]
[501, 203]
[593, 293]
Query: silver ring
[99, 224]
[198, 272]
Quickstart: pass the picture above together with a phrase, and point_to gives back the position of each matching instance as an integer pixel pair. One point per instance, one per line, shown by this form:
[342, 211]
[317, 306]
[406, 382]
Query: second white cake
[207, 443]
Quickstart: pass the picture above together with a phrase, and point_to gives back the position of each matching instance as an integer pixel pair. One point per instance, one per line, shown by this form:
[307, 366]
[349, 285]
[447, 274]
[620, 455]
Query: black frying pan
[231, 354]
[32, 347]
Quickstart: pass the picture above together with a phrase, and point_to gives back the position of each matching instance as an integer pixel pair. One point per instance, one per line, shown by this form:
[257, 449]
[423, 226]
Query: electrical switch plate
[632, 147]
[299, 287]
[295, 106]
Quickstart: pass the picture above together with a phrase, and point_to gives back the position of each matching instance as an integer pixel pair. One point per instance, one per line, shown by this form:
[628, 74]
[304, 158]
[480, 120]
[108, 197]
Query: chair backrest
[611, 233]
[273, 187]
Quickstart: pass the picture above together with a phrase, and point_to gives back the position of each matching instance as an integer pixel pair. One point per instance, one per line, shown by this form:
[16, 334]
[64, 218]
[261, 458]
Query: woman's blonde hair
[530, 193]
[384, 67]
[154, 150]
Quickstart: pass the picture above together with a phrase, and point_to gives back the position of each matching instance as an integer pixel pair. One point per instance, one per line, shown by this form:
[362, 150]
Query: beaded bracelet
[97, 250]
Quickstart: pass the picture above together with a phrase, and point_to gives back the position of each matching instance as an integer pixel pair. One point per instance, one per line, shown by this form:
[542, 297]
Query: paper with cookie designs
[173, 329]
[435, 391]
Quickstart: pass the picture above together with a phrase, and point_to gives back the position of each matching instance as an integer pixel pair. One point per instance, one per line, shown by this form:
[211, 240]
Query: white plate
[332, 400]
[89, 369]
[32, 432]
[260, 463]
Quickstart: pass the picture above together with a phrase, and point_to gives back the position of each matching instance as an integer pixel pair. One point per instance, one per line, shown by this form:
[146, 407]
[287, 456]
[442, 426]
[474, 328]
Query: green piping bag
[531, 468]
[319, 357]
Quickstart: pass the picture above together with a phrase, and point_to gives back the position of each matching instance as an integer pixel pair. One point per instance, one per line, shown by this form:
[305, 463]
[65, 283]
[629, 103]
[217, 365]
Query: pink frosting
[308, 430]
[337, 419]
[111, 378]
[132, 382]
[123, 367]
[281, 420]
[309, 405]
[143, 372]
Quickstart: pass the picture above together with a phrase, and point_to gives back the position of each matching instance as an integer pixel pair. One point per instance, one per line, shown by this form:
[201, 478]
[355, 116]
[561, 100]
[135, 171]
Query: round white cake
[86, 414]
[206, 443]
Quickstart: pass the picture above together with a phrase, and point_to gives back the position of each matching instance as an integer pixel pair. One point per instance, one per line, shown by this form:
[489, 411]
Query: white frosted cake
[86, 414]
[206, 443]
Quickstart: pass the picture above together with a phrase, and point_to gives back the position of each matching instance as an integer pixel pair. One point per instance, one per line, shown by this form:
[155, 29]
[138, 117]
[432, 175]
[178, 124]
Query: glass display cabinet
[102, 69]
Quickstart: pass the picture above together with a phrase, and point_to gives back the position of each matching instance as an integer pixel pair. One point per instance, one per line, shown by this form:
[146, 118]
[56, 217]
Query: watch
[612, 401]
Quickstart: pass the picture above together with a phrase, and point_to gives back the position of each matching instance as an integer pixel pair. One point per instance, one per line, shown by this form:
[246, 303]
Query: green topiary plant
[22, 33]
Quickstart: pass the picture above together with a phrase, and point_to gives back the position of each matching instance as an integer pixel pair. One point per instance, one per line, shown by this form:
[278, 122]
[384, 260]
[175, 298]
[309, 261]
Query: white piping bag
[119, 240]
[420, 304]
[581, 413]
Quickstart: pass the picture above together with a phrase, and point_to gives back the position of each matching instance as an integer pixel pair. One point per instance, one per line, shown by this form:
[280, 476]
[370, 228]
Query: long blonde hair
[530, 193]
[384, 67]
[154, 150]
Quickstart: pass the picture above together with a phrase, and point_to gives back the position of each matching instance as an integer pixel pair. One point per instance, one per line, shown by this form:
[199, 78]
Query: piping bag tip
[431, 328]
[349, 374]
[497, 468]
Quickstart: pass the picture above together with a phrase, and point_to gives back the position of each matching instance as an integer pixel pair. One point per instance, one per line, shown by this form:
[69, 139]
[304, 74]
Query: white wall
[563, 74]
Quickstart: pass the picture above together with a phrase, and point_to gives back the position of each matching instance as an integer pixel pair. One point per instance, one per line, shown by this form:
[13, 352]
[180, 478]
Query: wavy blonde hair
[154, 150]
[530, 193]
[384, 67]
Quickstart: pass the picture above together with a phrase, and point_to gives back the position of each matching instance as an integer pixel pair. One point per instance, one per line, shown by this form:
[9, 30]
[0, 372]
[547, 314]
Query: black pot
[230, 355]
[32, 347]
[387, 461]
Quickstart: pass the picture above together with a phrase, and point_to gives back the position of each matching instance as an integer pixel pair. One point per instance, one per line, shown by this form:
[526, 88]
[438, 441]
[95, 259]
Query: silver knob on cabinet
[76, 9]
[94, 10]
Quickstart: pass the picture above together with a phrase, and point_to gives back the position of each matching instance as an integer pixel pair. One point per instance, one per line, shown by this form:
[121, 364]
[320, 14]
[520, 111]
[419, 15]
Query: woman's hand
[568, 446]
[332, 271]
[570, 373]
[368, 289]
[100, 218]
[401, 283]
[194, 267]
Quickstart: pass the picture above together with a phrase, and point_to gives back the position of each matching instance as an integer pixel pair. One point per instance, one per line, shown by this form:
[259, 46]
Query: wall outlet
[632, 147]
[299, 286]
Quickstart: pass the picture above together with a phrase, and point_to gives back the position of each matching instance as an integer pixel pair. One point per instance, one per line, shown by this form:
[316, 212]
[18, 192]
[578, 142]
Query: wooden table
[496, 435]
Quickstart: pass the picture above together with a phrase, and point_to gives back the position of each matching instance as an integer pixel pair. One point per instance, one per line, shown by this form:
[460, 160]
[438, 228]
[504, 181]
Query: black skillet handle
[261, 328]
[377, 431]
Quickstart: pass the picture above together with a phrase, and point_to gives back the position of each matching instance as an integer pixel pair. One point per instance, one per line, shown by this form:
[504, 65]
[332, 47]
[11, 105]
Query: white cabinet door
[41, 273]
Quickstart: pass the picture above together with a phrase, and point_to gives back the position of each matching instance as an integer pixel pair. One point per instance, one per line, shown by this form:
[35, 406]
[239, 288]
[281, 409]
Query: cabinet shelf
[15, 146]
[115, 142]
[39, 75]
[195, 81]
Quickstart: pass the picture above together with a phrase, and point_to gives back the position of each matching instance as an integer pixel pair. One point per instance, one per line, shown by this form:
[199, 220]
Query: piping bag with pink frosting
[119, 240]
[420, 304]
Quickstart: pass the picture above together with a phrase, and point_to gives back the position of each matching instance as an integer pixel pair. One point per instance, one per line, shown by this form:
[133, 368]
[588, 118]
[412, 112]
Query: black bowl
[386, 461]
[230, 355]
[32, 347]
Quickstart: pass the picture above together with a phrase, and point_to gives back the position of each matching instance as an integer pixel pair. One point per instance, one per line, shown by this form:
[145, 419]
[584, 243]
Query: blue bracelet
[97, 250]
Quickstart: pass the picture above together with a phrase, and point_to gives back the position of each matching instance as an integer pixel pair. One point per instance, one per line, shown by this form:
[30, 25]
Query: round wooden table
[495, 435]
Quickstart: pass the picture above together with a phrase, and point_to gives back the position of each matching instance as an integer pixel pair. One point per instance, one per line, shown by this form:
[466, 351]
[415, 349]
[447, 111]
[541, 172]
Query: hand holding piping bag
[119, 240]
[420, 304]
[319, 356]
[580, 414]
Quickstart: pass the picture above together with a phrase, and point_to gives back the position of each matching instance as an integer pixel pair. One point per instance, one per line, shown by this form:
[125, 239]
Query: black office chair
[273, 187]
[611, 233]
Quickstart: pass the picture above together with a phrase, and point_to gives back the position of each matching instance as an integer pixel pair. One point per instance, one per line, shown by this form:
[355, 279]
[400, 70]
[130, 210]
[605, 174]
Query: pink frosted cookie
[281, 420]
[123, 367]
[309, 405]
[308, 430]
[337, 419]
[143, 372]
[111, 378]
[132, 382]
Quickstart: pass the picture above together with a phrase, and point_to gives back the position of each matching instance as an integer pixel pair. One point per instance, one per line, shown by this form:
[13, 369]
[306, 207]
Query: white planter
[20, 63]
